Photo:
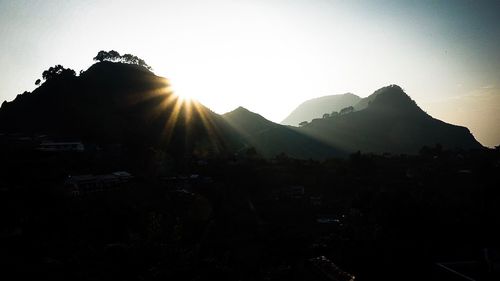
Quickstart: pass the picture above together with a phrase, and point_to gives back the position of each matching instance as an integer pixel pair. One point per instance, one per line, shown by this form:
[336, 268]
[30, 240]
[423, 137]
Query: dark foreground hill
[315, 108]
[118, 103]
[115, 103]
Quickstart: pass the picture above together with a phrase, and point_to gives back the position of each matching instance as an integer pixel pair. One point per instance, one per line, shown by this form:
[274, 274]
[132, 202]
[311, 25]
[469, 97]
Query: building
[85, 184]
[61, 146]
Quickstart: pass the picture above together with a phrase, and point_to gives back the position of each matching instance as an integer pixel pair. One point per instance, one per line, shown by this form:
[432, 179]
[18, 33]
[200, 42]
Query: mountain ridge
[391, 122]
[316, 107]
[123, 103]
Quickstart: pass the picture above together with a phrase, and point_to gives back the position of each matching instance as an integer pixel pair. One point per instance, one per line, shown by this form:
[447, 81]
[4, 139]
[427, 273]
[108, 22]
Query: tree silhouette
[128, 58]
[107, 56]
[101, 56]
[57, 70]
[303, 123]
[37, 82]
[346, 110]
[114, 56]
[326, 115]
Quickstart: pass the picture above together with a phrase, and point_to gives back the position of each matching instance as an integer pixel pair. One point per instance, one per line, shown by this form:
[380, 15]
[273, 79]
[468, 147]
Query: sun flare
[183, 98]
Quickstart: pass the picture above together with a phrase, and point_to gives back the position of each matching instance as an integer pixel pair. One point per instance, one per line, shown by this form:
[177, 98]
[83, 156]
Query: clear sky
[271, 55]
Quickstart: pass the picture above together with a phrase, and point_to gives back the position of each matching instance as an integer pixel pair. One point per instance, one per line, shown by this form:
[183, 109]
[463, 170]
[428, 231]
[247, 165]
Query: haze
[269, 56]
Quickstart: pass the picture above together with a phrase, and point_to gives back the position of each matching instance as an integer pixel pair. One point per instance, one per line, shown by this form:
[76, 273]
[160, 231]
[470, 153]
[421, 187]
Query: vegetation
[114, 56]
[346, 110]
[315, 108]
[57, 71]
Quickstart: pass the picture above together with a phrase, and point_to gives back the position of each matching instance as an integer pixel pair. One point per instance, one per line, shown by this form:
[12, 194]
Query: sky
[271, 55]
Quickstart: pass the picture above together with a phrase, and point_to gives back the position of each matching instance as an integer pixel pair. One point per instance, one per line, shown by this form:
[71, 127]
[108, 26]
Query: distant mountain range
[270, 139]
[389, 121]
[315, 108]
[128, 104]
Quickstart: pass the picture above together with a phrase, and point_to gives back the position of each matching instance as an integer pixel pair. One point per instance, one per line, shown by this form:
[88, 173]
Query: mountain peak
[391, 92]
[392, 99]
[241, 112]
[239, 109]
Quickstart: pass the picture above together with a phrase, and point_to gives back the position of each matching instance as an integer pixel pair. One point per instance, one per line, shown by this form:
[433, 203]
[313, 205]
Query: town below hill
[90, 213]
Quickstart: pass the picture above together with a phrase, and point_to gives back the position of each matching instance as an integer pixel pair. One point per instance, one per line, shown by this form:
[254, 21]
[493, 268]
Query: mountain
[271, 139]
[391, 122]
[119, 103]
[315, 108]
[122, 103]
[364, 102]
[116, 103]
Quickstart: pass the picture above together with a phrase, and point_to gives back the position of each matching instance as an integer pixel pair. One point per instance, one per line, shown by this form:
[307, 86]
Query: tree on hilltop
[114, 56]
[56, 71]
[107, 56]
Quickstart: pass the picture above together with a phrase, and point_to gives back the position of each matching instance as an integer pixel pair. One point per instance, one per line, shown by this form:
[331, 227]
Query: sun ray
[172, 119]
[209, 125]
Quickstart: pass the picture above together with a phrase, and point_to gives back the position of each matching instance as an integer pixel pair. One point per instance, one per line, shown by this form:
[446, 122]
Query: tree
[107, 56]
[303, 123]
[326, 115]
[334, 114]
[114, 56]
[37, 82]
[128, 58]
[101, 56]
[57, 70]
[346, 110]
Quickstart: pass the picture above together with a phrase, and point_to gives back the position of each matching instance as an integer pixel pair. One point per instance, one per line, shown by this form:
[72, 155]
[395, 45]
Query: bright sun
[183, 97]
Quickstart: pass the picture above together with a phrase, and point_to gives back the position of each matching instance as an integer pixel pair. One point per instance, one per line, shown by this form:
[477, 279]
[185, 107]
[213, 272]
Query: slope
[391, 122]
[315, 108]
[271, 139]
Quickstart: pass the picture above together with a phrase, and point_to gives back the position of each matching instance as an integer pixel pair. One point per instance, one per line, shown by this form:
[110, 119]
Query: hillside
[115, 103]
[271, 139]
[118, 103]
[315, 108]
[391, 122]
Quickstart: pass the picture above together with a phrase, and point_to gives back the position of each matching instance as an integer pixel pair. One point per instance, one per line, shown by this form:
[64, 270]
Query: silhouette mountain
[315, 108]
[122, 103]
[364, 102]
[115, 103]
[271, 139]
[391, 122]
